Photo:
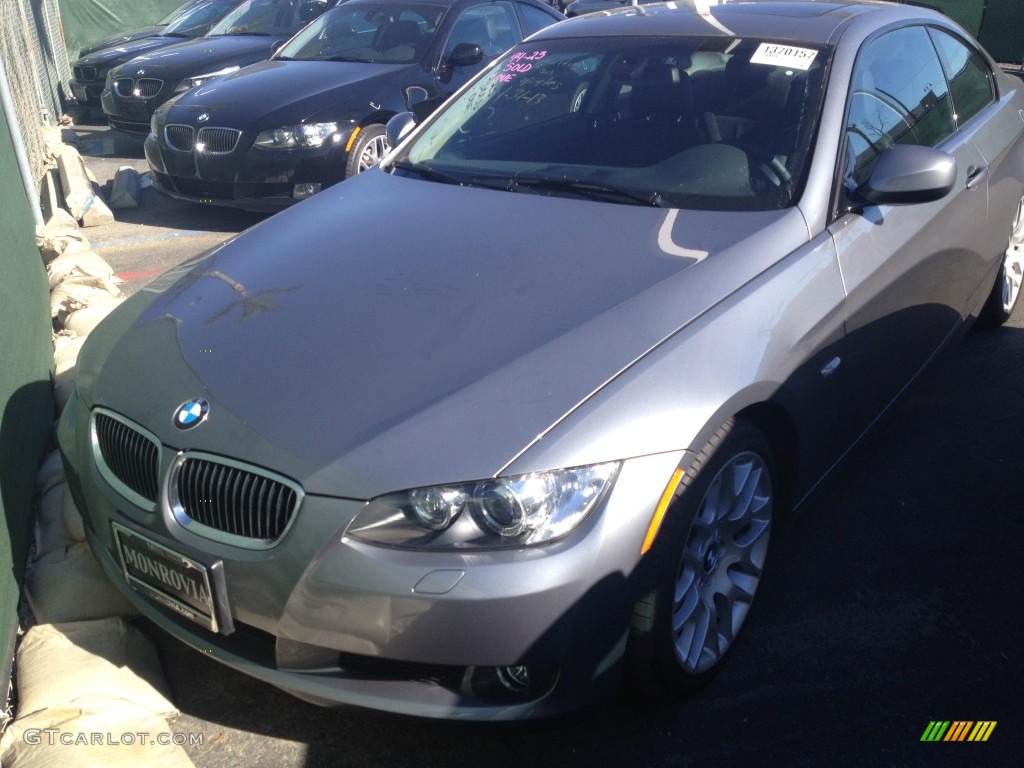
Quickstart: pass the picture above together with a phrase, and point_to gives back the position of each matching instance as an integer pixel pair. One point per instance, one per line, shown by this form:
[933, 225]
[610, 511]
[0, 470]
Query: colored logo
[191, 413]
[958, 730]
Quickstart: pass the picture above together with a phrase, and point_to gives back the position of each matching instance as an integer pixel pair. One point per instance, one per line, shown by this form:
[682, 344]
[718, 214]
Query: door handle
[975, 176]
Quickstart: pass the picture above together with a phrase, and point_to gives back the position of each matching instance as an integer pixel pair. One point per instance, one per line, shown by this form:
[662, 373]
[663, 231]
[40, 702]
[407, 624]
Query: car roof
[804, 20]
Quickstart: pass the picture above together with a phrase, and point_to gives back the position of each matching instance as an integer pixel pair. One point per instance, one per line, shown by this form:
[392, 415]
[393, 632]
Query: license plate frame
[183, 584]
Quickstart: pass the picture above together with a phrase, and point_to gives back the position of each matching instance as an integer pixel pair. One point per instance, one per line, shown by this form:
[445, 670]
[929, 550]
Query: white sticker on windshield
[783, 56]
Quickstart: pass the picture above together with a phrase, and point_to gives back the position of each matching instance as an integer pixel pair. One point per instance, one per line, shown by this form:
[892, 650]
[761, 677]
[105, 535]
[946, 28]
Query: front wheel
[1006, 290]
[699, 579]
[371, 145]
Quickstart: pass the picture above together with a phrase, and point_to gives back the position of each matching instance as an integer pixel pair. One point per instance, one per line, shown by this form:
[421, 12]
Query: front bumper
[336, 621]
[131, 115]
[246, 177]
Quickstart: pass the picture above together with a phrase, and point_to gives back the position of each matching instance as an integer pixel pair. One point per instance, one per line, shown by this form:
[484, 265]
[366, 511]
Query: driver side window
[898, 96]
[493, 27]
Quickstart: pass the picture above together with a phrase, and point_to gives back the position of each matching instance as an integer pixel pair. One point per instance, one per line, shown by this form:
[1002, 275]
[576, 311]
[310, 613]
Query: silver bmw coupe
[512, 417]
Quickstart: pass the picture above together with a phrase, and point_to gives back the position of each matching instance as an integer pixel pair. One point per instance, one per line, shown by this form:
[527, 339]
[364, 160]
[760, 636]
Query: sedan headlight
[194, 82]
[290, 136]
[503, 512]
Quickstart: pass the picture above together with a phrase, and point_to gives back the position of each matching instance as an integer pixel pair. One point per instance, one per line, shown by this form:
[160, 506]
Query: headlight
[152, 126]
[504, 512]
[290, 136]
[196, 81]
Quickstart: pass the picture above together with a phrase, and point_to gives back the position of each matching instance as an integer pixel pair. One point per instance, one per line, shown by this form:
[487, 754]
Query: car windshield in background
[701, 123]
[196, 20]
[269, 17]
[394, 33]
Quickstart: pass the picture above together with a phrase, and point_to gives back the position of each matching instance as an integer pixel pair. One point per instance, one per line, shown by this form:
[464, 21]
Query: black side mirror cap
[399, 126]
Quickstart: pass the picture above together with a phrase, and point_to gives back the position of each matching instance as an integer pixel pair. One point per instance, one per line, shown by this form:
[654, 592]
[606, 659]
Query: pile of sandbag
[90, 688]
[83, 290]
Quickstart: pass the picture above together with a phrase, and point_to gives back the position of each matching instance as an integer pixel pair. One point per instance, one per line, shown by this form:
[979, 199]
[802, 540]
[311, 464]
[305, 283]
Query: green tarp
[86, 21]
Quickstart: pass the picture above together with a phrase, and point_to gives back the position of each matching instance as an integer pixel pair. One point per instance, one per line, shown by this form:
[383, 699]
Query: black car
[90, 71]
[137, 34]
[581, 7]
[249, 33]
[281, 130]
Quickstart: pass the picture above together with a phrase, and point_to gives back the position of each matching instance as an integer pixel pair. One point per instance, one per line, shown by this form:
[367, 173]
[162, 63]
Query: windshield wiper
[587, 189]
[427, 173]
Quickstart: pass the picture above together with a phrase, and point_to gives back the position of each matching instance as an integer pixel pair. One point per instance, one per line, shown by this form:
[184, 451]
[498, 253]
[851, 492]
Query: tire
[371, 145]
[698, 581]
[1006, 291]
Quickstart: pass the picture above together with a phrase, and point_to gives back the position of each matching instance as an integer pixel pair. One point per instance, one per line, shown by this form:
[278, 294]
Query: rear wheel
[1006, 290]
[700, 576]
[371, 145]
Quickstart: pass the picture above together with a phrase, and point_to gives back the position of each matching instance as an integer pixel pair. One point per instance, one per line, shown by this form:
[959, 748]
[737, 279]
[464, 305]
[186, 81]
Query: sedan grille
[128, 457]
[218, 141]
[179, 137]
[232, 502]
[85, 74]
[145, 87]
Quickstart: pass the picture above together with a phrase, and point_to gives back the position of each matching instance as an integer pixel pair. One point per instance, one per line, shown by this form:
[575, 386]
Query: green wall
[1002, 30]
[26, 393]
[86, 21]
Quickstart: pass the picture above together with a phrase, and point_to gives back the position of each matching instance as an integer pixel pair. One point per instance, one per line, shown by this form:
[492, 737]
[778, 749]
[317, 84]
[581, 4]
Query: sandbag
[104, 733]
[69, 585]
[78, 291]
[72, 518]
[82, 321]
[61, 665]
[80, 264]
[51, 533]
[64, 361]
[50, 473]
[53, 241]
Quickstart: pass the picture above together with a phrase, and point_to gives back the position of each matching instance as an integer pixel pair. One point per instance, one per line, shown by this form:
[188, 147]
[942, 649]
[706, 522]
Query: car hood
[121, 39]
[204, 55]
[268, 92]
[118, 54]
[364, 341]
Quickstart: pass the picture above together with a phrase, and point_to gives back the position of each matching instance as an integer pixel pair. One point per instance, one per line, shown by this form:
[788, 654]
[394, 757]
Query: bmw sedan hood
[205, 54]
[112, 56]
[265, 93]
[362, 346]
[121, 39]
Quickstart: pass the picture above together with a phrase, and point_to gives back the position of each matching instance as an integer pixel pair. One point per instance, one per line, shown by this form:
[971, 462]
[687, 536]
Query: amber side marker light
[660, 510]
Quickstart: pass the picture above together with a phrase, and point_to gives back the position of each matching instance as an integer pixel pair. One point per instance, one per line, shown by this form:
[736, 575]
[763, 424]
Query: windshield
[710, 124]
[269, 17]
[174, 14]
[197, 20]
[382, 32]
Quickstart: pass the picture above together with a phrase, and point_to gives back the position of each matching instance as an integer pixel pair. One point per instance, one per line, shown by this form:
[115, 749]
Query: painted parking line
[146, 238]
[137, 275]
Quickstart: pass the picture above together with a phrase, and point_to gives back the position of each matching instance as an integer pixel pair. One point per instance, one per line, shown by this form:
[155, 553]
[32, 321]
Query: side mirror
[465, 55]
[907, 174]
[398, 127]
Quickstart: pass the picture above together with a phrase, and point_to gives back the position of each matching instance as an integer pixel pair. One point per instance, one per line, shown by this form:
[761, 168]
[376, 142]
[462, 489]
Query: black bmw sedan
[279, 131]
[90, 71]
[250, 33]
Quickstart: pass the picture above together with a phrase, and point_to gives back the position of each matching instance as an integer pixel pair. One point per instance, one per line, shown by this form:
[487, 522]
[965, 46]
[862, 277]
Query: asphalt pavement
[892, 600]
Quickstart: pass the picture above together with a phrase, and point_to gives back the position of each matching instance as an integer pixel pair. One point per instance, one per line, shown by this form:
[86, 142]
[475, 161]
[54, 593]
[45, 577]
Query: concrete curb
[81, 197]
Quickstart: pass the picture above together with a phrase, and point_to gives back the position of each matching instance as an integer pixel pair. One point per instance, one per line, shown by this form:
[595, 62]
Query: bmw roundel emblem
[191, 413]
[203, 117]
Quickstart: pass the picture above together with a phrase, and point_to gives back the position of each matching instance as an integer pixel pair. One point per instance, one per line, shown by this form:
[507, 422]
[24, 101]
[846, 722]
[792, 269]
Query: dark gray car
[514, 415]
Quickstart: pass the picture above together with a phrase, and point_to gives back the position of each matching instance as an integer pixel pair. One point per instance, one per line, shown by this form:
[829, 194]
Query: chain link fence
[37, 72]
